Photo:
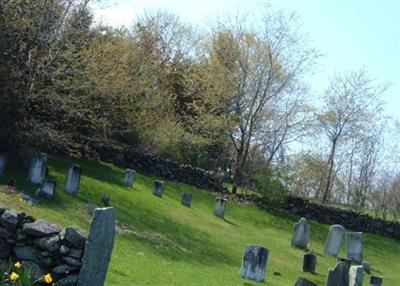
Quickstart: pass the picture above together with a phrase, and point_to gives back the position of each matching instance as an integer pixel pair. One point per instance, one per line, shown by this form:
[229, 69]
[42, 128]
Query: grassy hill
[161, 242]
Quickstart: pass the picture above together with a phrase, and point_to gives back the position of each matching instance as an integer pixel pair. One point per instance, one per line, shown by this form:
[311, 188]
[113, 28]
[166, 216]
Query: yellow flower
[47, 278]
[14, 276]
[18, 265]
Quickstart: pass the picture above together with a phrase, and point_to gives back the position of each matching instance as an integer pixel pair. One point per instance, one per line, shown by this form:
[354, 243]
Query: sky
[351, 34]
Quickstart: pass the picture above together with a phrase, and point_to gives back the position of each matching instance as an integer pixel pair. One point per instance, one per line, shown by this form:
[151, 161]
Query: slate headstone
[301, 234]
[48, 188]
[375, 281]
[334, 240]
[309, 262]
[129, 177]
[38, 168]
[301, 281]
[98, 248]
[354, 247]
[356, 275]
[219, 207]
[186, 199]
[158, 189]
[345, 260]
[73, 179]
[338, 276]
[254, 262]
[3, 162]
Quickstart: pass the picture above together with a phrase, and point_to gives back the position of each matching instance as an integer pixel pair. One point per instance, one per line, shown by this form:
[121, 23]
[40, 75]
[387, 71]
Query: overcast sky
[351, 34]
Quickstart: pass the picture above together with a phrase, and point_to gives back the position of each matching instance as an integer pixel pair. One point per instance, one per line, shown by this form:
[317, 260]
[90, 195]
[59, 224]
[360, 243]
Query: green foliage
[269, 183]
[11, 275]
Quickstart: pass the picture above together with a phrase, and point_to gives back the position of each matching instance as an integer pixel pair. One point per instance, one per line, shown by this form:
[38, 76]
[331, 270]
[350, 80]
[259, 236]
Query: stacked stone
[42, 245]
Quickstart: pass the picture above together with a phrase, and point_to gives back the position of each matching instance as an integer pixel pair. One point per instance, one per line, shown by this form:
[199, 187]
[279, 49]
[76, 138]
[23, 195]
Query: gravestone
[338, 276]
[3, 162]
[219, 207]
[334, 240]
[367, 266]
[375, 281]
[47, 188]
[354, 248]
[105, 200]
[129, 177]
[38, 168]
[73, 179]
[98, 248]
[254, 262]
[186, 199]
[301, 234]
[309, 262]
[301, 281]
[356, 275]
[158, 189]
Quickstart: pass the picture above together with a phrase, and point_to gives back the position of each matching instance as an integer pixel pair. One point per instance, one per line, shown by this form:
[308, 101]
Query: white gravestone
[129, 177]
[38, 168]
[48, 188]
[73, 179]
[356, 275]
[354, 247]
[301, 233]
[254, 262]
[3, 162]
[219, 208]
[334, 240]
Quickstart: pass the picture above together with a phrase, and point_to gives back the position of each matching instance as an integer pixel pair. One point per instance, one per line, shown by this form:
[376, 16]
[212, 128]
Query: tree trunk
[331, 164]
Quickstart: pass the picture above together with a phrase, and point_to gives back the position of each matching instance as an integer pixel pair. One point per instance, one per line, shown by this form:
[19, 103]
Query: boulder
[73, 236]
[9, 220]
[41, 228]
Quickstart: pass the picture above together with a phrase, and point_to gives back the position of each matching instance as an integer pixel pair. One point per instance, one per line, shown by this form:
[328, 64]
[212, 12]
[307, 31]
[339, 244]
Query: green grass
[161, 242]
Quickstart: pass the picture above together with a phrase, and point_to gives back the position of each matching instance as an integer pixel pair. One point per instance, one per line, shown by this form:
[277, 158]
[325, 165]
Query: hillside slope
[161, 242]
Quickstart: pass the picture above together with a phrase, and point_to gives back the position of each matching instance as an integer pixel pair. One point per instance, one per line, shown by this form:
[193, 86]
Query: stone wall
[168, 169]
[42, 245]
[330, 215]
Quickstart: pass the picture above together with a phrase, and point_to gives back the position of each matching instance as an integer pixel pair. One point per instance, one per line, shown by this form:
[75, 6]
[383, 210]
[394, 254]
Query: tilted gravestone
[338, 276]
[186, 199]
[219, 207]
[354, 247]
[158, 189]
[129, 177]
[301, 281]
[254, 262]
[334, 240]
[3, 162]
[38, 168]
[48, 188]
[301, 233]
[375, 281]
[309, 262]
[98, 248]
[73, 179]
[356, 275]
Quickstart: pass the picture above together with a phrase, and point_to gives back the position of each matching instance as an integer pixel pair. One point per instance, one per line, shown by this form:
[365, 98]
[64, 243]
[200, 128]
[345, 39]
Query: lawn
[161, 242]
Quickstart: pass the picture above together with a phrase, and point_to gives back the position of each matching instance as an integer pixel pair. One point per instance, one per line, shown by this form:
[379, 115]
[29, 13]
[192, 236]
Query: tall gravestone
[98, 248]
[219, 207]
[129, 177]
[334, 240]
[3, 162]
[158, 189]
[301, 281]
[48, 188]
[375, 281]
[254, 262]
[186, 199]
[38, 168]
[338, 276]
[309, 262]
[356, 275]
[301, 233]
[73, 179]
[354, 247]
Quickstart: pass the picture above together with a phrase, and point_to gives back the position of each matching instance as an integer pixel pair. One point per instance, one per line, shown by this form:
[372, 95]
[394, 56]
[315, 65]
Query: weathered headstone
[73, 179]
[356, 275]
[38, 168]
[301, 233]
[301, 281]
[219, 207]
[129, 177]
[367, 266]
[334, 240]
[345, 260]
[254, 262]
[309, 262]
[354, 248]
[48, 188]
[3, 162]
[375, 281]
[158, 189]
[338, 276]
[186, 199]
[98, 248]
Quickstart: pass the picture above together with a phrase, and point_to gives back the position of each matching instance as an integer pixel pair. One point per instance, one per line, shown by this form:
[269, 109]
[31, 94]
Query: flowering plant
[15, 274]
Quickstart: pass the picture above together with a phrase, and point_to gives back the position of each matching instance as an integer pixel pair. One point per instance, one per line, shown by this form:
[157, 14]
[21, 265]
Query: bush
[268, 183]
